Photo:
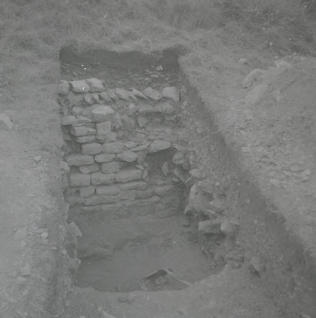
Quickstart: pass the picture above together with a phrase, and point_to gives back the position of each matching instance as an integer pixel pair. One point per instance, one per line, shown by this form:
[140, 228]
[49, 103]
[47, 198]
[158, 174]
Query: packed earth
[157, 160]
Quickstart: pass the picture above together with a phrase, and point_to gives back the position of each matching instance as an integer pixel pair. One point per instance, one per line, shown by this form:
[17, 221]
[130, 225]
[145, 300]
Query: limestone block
[86, 192]
[171, 93]
[85, 139]
[80, 86]
[110, 167]
[135, 92]
[73, 120]
[102, 113]
[89, 169]
[113, 147]
[108, 190]
[128, 156]
[79, 131]
[102, 178]
[104, 158]
[128, 175]
[135, 185]
[79, 179]
[91, 149]
[159, 145]
[99, 199]
[144, 194]
[95, 85]
[79, 160]
[152, 94]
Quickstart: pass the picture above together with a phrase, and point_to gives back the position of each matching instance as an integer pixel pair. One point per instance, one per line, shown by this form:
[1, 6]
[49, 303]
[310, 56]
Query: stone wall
[122, 146]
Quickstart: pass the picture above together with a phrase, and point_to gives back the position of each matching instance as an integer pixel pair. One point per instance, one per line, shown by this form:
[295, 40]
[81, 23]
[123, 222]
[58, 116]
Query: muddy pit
[142, 214]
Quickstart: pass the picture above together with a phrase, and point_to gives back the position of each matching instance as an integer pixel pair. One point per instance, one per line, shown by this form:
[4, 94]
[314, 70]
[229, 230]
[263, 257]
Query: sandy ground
[283, 165]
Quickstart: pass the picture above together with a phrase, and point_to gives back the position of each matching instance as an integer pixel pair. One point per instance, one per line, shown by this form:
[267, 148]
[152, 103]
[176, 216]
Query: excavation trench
[140, 212]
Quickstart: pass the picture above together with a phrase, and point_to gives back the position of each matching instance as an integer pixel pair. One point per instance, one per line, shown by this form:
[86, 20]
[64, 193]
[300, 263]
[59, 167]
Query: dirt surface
[282, 166]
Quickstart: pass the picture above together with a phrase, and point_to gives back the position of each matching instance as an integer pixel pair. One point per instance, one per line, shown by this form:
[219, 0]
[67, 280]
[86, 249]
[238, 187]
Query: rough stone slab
[102, 113]
[99, 199]
[135, 92]
[110, 167]
[85, 139]
[171, 93]
[104, 158]
[163, 190]
[104, 128]
[80, 86]
[95, 85]
[79, 179]
[86, 192]
[128, 175]
[128, 156]
[91, 149]
[105, 97]
[73, 120]
[89, 169]
[152, 93]
[102, 178]
[113, 147]
[135, 185]
[159, 145]
[122, 94]
[108, 190]
[79, 131]
[79, 160]
[144, 194]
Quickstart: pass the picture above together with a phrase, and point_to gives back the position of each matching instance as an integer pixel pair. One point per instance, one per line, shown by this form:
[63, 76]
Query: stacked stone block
[111, 134]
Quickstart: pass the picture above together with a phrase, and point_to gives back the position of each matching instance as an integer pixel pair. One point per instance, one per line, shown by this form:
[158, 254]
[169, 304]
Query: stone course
[110, 136]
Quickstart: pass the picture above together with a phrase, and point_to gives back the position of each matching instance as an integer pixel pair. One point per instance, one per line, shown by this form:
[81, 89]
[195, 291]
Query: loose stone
[138, 93]
[80, 86]
[171, 93]
[159, 145]
[128, 156]
[95, 85]
[152, 94]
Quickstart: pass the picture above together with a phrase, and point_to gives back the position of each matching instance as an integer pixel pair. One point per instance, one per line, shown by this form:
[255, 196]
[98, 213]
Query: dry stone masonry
[121, 144]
